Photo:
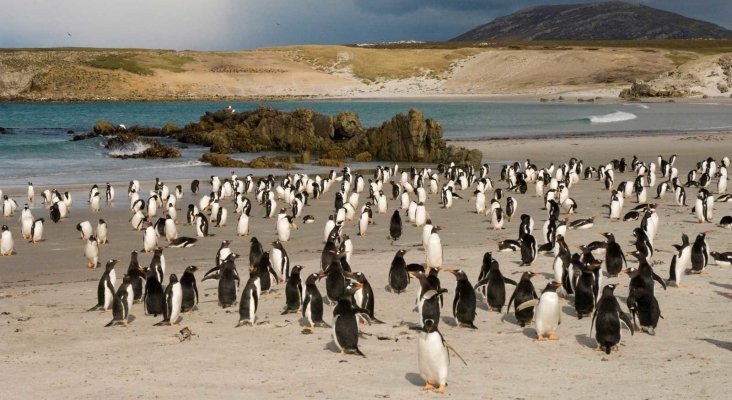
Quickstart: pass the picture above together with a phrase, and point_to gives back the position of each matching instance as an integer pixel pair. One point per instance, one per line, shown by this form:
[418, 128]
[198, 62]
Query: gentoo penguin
[149, 239]
[138, 220]
[91, 251]
[154, 298]
[31, 193]
[363, 298]
[395, 226]
[191, 214]
[434, 249]
[256, 251]
[109, 193]
[280, 260]
[615, 206]
[464, 303]
[398, 275]
[242, 226]
[190, 290]
[266, 273]
[345, 325]
[643, 276]
[511, 207]
[497, 218]
[95, 203]
[509, 245]
[105, 288]
[182, 242]
[643, 243]
[36, 234]
[547, 315]
[699, 254]
[121, 303]
[346, 249]
[585, 223]
[495, 284]
[433, 357]
[585, 290]
[312, 303]
[335, 281]
[137, 277]
[201, 225]
[643, 303]
[632, 215]
[528, 250]
[680, 261]
[607, 316]
[173, 302]
[85, 229]
[284, 224]
[102, 232]
[614, 257]
[363, 221]
[293, 291]
[525, 299]
[194, 186]
[722, 259]
[228, 281]
[308, 219]
[171, 232]
[249, 300]
[726, 222]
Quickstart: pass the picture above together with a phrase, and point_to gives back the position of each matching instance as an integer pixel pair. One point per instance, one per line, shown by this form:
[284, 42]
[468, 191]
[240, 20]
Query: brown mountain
[612, 20]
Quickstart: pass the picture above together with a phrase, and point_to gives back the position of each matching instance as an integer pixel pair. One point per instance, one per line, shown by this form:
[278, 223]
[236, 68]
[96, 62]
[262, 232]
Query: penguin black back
[395, 226]
[398, 275]
[189, 289]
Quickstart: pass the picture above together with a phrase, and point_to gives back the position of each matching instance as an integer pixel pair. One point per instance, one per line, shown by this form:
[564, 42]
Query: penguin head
[191, 269]
[552, 286]
[429, 326]
[5, 228]
[111, 264]
[173, 279]
[609, 236]
[402, 252]
[459, 274]
[608, 290]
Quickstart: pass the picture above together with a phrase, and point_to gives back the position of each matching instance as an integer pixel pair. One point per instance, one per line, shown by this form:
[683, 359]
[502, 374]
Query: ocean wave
[639, 105]
[617, 116]
[129, 149]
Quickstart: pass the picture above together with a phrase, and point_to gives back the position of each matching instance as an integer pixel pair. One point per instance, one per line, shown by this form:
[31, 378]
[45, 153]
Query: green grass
[120, 61]
[679, 59]
[169, 62]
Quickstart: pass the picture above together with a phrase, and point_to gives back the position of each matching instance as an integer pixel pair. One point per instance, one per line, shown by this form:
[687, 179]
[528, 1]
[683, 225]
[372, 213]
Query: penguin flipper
[526, 304]
[480, 283]
[659, 280]
[509, 281]
[96, 308]
[450, 348]
[213, 273]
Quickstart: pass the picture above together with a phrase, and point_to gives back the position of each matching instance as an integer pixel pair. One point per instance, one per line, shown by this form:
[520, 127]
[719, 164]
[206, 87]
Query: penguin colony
[348, 299]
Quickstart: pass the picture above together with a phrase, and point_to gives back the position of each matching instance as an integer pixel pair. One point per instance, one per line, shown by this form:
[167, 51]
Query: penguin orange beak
[557, 284]
[358, 285]
[627, 271]
[349, 274]
[194, 268]
[322, 275]
[452, 271]
[533, 274]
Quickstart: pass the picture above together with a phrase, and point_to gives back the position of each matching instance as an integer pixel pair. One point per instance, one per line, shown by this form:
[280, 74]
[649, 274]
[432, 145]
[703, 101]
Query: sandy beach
[52, 347]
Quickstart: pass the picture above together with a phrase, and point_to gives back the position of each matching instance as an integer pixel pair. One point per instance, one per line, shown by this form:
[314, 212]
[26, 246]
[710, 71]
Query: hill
[613, 20]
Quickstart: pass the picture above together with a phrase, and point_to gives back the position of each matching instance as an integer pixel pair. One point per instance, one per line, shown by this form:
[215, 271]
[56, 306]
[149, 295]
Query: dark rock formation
[221, 160]
[612, 20]
[640, 89]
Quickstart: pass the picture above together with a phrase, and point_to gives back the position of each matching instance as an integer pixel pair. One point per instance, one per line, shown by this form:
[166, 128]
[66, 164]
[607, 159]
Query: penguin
[464, 303]
[395, 226]
[191, 214]
[293, 291]
[631, 216]
[266, 273]
[497, 218]
[433, 357]
[509, 245]
[528, 250]
[109, 193]
[137, 221]
[335, 281]
[643, 243]
[194, 186]
[364, 221]
[495, 283]
[189, 289]
[105, 288]
[726, 222]
[524, 299]
[643, 276]
[173, 302]
[680, 261]
[699, 254]
[228, 282]
[154, 297]
[363, 297]
[171, 233]
[36, 234]
[308, 219]
[31, 193]
[95, 203]
[55, 213]
[149, 239]
[137, 277]
[585, 290]
[85, 229]
[585, 223]
[547, 316]
[312, 303]
[256, 252]
[121, 303]
[434, 249]
[183, 241]
[511, 207]
[202, 225]
[283, 226]
[280, 260]
[615, 260]
[608, 316]
[91, 251]
[345, 326]
[644, 304]
[242, 226]
[398, 275]
[615, 206]
[249, 300]
[102, 232]
[722, 259]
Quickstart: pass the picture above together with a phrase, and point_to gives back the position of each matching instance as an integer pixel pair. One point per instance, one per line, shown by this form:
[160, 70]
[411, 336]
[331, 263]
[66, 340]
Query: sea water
[36, 144]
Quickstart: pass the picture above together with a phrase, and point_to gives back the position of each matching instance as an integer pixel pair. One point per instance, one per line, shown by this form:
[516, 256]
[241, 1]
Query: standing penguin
[242, 226]
[201, 225]
[528, 249]
[171, 233]
[680, 261]
[608, 316]
[149, 239]
[91, 251]
[464, 303]
[525, 299]
[154, 298]
[644, 304]
[293, 291]
[189, 288]
[121, 303]
[433, 357]
[434, 249]
[312, 303]
[547, 315]
[228, 282]
[364, 297]
[699, 254]
[173, 302]
[249, 300]
[495, 284]
[614, 257]
[585, 290]
[105, 288]
[345, 326]
[137, 277]
[395, 226]
[256, 251]
[102, 233]
[398, 275]
[36, 235]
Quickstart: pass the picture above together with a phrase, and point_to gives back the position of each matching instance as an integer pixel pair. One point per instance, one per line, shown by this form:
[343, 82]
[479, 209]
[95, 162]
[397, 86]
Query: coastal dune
[52, 347]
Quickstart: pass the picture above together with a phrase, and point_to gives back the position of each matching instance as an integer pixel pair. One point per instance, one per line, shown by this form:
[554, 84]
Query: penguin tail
[376, 320]
[109, 324]
[163, 323]
[471, 325]
[95, 308]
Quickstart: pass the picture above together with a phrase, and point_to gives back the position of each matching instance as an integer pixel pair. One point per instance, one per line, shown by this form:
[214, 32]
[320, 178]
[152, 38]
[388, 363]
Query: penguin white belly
[25, 229]
[358, 296]
[108, 297]
[420, 216]
[699, 210]
[335, 335]
[37, 232]
[363, 224]
[170, 230]
[242, 228]
[434, 252]
[558, 269]
[149, 239]
[433, 358]
[283, 230]
[177, 302]
[6, 243]
[546, 315]
[309, 314]
[412, 212]
[615, 210]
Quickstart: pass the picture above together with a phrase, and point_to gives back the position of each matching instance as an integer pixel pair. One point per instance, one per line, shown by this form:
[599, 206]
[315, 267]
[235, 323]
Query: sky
[245, 24]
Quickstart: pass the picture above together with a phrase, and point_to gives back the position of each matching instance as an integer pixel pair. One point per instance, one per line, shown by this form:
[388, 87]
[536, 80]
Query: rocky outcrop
[221, 160]
[410, 137]
[641, 89]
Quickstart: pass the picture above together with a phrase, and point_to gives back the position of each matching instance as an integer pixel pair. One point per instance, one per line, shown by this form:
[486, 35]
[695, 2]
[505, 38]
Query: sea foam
[617, 116]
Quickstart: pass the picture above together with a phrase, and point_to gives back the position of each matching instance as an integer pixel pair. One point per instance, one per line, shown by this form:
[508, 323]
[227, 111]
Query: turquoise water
[36, 146]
